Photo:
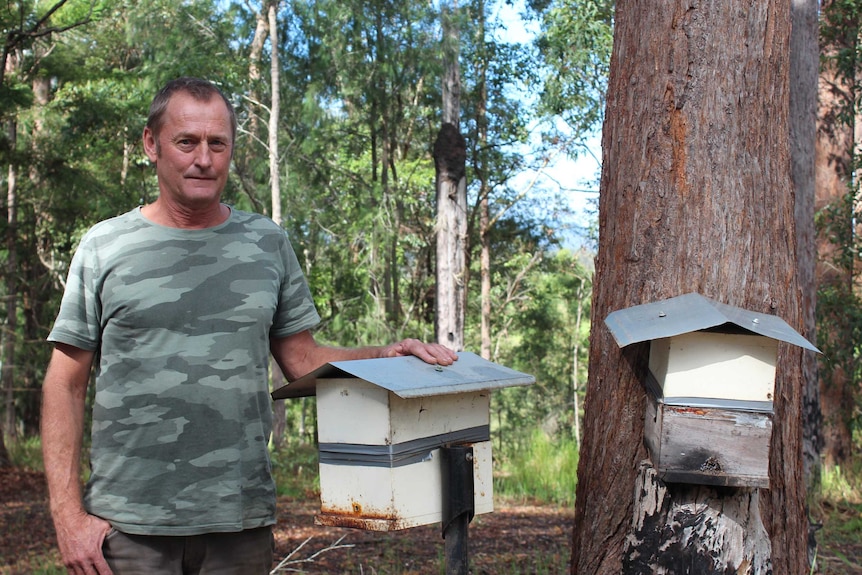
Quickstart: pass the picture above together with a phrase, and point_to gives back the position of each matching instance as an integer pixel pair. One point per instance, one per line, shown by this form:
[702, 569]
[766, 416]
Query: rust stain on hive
[357, 516]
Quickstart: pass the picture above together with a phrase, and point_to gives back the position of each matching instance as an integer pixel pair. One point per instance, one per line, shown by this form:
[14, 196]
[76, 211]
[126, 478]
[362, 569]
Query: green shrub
[544, 470]
[26, 453]
[841, 484]
[295, 470]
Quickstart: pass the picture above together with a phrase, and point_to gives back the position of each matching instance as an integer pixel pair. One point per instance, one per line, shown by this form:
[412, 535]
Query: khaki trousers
[247, 552]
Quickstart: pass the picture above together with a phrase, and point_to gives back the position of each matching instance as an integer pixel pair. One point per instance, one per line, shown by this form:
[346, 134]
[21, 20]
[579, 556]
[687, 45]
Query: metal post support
[458, 505]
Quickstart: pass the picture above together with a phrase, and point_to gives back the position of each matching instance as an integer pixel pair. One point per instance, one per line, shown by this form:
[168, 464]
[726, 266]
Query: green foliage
[839, 302]
[839, 30]
[544, 470]
[26, 453]
[542, 304]
[360, 111]
[576, 43]
[839, 484]
[49, 567]
[295, 470]
[837, 507]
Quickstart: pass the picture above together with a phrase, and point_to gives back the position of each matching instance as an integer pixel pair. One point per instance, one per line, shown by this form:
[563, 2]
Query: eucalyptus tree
[804, 65]
[361, 129]
[696, 196]
[575, 43]
[515, 231]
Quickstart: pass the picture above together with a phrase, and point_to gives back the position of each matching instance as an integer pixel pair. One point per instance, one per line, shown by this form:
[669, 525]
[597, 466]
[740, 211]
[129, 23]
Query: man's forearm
[63, 402]
[62, 437]
[300, 354]
[79, 535]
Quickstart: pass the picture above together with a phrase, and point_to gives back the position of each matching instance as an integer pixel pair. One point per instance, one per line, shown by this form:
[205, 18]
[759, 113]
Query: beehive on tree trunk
[695, 197]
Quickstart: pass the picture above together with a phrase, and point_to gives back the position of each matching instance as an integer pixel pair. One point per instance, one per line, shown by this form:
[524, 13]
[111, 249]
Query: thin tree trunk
[274, 112]
[450, 155]
[5, 460]
[484, 192]
[10, 62]
[279, 423]
[7, 370]
[576, 349]
[694, 198]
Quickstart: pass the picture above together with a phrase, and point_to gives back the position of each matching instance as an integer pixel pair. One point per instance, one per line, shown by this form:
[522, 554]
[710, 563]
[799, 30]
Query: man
[181, 301]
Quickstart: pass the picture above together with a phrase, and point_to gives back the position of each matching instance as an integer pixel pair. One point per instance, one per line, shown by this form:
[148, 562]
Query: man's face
[193, 151]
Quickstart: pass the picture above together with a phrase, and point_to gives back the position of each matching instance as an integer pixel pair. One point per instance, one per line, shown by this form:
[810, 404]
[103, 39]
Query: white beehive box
[381, 423]
[710, 384]
[705, 364]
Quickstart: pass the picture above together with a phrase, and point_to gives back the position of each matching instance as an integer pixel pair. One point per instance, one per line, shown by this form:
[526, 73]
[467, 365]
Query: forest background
[359, 88]
[345, 162]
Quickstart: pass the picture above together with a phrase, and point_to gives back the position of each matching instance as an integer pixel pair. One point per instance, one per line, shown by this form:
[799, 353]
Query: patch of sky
[568, 174]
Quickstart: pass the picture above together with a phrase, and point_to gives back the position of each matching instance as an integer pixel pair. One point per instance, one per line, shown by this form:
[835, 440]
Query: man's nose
[203, 157]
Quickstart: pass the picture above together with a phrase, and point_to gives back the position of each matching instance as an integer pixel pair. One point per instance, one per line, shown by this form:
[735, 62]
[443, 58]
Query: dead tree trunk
[695, 197]
[450, 157]
[450, 161]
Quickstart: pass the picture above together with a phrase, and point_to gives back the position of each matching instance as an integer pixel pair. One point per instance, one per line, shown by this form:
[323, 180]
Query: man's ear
[150, 145]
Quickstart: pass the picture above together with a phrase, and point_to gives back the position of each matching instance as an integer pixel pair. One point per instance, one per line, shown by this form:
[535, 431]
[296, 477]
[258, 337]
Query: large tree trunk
[450, 156]
[804, 69]
[695, 197]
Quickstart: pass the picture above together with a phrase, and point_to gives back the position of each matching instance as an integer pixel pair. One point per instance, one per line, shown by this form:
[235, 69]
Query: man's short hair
[201, 90]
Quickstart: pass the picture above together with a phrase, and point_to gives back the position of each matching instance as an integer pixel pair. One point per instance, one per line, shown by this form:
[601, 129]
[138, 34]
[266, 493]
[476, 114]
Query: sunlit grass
[836, 509]
[544, 471]
[26, 453]
[295, 470]
[841, 483]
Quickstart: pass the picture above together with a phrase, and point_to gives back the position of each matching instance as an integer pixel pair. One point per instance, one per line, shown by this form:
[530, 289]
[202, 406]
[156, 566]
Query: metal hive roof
[694, 312]
[409, 376]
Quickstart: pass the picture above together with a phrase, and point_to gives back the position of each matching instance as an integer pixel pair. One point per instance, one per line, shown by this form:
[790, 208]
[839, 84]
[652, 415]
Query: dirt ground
[513, 539]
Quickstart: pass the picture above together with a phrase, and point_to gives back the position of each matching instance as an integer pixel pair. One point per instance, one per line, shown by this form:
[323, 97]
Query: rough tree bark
[695, 197]
[804, 68]
[450, 157]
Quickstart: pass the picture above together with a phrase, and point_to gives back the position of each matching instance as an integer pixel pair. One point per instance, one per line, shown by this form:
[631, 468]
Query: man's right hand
[80, 538]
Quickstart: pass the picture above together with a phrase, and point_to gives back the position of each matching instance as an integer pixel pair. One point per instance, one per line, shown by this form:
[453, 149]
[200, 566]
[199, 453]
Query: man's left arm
[299, 354]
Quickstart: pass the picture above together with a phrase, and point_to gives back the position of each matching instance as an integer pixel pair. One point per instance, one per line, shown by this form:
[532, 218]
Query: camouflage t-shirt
[181, 322]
